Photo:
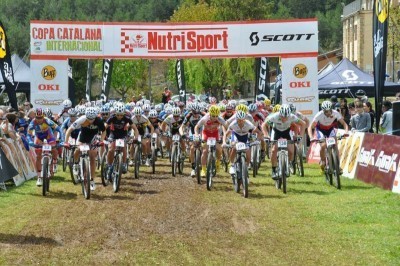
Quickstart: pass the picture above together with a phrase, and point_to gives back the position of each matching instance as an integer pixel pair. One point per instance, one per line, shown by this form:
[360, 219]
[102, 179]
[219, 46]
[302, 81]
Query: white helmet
[176, 111]
[153, 114]
[80, 109]
[285, 110]
[91, 113]
[242, 101]
[240, 115]
[326, 105]
[146, 107]
[67, 103]
[137, 111]
[72, 112]
[119, 108]
[139, 103]
[147, 102]
[158, 108]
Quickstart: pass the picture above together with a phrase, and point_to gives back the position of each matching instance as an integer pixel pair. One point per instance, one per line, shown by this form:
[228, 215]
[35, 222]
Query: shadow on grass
[27, 240]
[263, 196]
[302, 191]
[352, 187]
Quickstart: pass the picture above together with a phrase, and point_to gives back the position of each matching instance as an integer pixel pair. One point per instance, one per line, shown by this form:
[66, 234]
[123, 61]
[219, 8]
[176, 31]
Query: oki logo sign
[49, 72]
[300, 84]
[49, 87]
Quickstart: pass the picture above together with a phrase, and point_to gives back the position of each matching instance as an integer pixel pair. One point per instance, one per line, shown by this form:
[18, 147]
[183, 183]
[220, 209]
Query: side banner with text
[262, 88]
[49, 85]
[300, 84]
[180, 79]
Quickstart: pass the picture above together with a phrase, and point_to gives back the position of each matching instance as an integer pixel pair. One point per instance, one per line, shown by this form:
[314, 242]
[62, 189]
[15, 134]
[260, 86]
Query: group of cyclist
[227, 121]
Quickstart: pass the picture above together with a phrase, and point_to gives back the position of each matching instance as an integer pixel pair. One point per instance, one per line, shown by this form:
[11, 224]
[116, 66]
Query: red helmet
[39, 112]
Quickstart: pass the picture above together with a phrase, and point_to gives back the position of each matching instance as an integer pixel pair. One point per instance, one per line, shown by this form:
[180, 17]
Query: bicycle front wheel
[103, 170]
[336, 169]
[137, 158]
[210, 170]
[254, 158]
[153, 160]
[198, 165]
[64, 159]
[299, 162]
[85, 178]
[117, 172]
[282, 172]
[329, 167]
[245, 177]
[45, 175]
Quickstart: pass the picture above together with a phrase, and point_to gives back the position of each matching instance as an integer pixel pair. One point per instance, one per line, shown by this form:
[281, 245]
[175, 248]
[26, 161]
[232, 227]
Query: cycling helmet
[233, 102]
[214, 110]
[72, 112]
[158, 108]
[222, 107]
[230, 106]
[276, 108]
[119, 109]
[252, 108]
[146, 107]
[147, 102]
[168, 110]
[240, 115]
[67, 103]
[212, 100]
[39, 112]
[189, 106]
[292, 108]
[176, 111]
[153, 114]
[80, 109]
[242, 107]
[91, 113]
[243, 102]
[139, 104]
[137, 111]
[326, 105]
[360, 93]
[47, 112]
[181, 104]
[196, 108]
[171, 102]
[267, 102]
[285, 110]
[105, 109]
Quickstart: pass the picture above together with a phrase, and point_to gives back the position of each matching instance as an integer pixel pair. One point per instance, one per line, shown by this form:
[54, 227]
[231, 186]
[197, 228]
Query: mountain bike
[197, 157]
[47, 165]
[137, 155]
[226, 151]
[116, 165]
[297, 164]
[153, 152]
[283, 163]
[241, 178]
[70, 159]
[211, 162]
[255, 147]
[176, 155]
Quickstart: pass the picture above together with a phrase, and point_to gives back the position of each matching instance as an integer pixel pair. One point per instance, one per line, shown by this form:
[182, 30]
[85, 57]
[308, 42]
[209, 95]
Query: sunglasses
[39, 117]
[119, 115]
[105, 114]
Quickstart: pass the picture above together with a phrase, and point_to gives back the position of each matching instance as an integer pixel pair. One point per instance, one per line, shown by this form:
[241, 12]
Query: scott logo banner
[180, 79]
[262, 87]
[6, 68]
[106, 80]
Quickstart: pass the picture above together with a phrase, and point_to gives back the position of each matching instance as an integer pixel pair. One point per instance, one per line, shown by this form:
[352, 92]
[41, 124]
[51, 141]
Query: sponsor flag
[89, 79]
[6, 68]
[262, 87]
[380, 31]
[71, 84]
[106, 79]
[180, 79]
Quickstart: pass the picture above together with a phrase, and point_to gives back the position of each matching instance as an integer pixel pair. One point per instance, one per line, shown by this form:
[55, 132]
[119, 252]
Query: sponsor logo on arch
[49, 72]
[305, 99]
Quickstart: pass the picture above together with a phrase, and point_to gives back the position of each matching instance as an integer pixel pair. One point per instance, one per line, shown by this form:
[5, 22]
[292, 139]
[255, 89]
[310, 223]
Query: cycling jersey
[276, 120]
[88, 130]
[327, 123]
[240, 134]
[141, 123]
[191, 121]
[119, 127]
[66, 124]
[233, 117]
[173, 123]
[210, 127]
[44, 129]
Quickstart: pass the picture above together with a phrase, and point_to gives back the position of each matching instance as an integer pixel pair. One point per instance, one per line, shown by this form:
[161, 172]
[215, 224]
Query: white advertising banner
[157, 40]
[49, 85]
[300, 84]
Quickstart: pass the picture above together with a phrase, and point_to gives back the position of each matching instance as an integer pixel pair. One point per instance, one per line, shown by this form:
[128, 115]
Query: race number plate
[120, 142]
[240, 146]
[84, 147]
[175, 137]
[71, 141]
[46, 147]
[196, 138]
[211, 141]
[154, 135]
[330, 142]
[282, 143]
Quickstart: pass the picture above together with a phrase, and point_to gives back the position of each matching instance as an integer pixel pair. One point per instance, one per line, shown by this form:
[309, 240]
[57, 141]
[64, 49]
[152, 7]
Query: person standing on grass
[368, 109]
[387, 117]
[361, 121]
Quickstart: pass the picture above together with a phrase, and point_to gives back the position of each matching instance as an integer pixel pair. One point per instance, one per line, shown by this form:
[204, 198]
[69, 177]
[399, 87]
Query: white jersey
[247, 128]
[249, 117]
[325, 122]
[278, 124]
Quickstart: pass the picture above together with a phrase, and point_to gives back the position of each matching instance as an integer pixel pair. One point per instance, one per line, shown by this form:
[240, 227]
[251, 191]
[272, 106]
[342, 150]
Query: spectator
[344, 110]
[398, 96]
[361, 121]
[27, 106]
[166, 96]
[387, 117]
[352, 109]
[361, 95]
[335, 104]
[9, 126]
[368, 109]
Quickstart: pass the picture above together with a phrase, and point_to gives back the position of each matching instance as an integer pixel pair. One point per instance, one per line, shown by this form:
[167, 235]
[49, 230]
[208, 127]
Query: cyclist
[43, 128]
[174, 122]
[281, 122]
[229, 111]
[142, 122]
[119, 124]
[325, 123]
[239, 130]
[210, 124]
[258, 119]
[61, 116]
[191, 120]
[91, 125]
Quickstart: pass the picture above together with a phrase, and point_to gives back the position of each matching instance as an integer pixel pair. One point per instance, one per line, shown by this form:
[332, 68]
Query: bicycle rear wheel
[64, 159]
[85, 178]
[254, 159]
[336, 169]
[70, 166]
[329, 168]
[198, 165]
[210, 170]
[282, 166]
[45, 175]
[117, 172]
[238, 176]
[153, 160]
[103, 170]
[180, 160]
[299, 162]
[245, 175]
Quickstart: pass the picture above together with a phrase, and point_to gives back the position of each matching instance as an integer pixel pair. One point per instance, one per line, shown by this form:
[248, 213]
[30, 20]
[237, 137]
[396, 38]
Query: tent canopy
[22, 74]
[345, 79]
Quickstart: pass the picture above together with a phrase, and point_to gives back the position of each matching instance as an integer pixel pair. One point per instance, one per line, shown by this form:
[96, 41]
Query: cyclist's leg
[92, 158]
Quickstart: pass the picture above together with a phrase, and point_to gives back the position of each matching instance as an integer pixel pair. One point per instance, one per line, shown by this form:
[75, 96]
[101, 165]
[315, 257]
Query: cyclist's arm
[310, 129]
[228, 131]
[344, 124]
[265, 128]
[302, 125]
[135, 130]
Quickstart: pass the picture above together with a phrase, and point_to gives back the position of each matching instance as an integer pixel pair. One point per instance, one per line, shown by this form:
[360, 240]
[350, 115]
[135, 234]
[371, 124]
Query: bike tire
[64, 159]
[299, 163]
[103, 170]
[245, 178]
[198, 165]
[210, 170]
[268, 150]
[85, 178]
[254, 160]
[293, 167]
[180, 161]
[225, 159]
[137, 158]
[329, 171]
[153, 160]
[283, 170]
[336, 169]
[45, 175]
[173, 161]
[70, 165]
[238, 177]
[117, 172]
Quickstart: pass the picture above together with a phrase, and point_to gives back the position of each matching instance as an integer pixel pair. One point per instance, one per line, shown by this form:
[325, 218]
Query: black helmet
[360, 93]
